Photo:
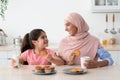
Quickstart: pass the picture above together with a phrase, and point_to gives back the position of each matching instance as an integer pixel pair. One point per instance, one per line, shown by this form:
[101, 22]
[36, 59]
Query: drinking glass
[104, 42]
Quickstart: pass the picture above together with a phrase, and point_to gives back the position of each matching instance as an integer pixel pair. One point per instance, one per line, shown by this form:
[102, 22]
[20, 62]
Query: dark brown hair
[27, 40]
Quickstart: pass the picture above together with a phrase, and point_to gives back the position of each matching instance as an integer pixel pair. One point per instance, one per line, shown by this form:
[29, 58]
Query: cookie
[77, 52]
[43, 53]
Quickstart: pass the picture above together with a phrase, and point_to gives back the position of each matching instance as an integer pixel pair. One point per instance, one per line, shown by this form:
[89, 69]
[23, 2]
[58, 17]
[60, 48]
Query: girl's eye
[43, 37]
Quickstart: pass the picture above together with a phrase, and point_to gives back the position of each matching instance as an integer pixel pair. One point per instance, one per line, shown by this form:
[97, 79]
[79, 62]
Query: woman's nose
[65, 28]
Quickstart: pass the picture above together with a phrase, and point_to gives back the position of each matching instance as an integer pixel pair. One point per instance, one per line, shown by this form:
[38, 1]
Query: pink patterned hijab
[83, 41]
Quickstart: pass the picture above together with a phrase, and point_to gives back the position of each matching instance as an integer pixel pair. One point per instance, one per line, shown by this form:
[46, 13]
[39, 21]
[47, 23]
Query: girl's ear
[34, 42]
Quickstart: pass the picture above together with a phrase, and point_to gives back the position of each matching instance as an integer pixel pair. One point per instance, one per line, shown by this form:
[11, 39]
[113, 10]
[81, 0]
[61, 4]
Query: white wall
[25, 15]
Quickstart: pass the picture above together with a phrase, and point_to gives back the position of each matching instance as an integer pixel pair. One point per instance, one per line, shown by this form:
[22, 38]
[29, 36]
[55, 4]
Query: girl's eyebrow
[43, 36]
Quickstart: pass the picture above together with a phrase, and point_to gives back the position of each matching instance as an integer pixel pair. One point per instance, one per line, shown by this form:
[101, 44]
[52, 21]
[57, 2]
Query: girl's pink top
[36, 59]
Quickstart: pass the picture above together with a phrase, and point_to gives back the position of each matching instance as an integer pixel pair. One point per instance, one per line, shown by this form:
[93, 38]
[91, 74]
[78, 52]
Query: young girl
[34, 51]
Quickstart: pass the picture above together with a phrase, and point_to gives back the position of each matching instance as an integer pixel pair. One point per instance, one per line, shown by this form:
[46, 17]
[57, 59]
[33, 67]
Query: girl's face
[70, 28]
[42, 41]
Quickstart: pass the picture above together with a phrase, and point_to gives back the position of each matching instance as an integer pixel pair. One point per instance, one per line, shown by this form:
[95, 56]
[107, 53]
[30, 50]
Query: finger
[48, 55]
[12, 62]
[89, 61]
[72, 54]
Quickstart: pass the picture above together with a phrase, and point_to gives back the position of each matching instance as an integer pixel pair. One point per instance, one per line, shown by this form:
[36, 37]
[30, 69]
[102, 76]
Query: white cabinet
[116, 57]
[5, 56]
[105, 5]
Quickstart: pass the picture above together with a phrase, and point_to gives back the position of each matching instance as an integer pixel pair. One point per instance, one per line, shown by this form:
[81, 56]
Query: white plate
[74, 73]
[43, 73]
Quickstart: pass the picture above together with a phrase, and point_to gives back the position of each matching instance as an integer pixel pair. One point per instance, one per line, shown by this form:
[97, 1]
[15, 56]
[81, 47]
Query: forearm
[21, 60]
[95, 64]
[57, 60]
[105, 56]
[102, 63]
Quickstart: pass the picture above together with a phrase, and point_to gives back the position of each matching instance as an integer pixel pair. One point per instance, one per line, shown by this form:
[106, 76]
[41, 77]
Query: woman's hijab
[83, 41]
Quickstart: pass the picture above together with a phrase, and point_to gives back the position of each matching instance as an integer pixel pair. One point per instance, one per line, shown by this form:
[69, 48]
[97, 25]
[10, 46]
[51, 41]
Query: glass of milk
[83, 61]
[16, 58]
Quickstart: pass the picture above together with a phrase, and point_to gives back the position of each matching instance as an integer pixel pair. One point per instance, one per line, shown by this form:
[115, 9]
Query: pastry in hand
[77, 53]
[43, 52]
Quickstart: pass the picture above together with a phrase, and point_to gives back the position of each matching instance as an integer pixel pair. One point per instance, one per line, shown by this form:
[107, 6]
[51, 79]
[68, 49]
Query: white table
[25, 73]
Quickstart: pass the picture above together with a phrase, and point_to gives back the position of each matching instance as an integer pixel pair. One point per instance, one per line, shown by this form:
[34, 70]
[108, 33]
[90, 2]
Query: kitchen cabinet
[105, 5]
[6, 55]
[116, 57]
[3, 57]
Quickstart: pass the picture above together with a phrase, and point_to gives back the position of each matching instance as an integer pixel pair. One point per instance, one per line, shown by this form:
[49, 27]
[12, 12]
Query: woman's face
[70, 28]
[42, 41]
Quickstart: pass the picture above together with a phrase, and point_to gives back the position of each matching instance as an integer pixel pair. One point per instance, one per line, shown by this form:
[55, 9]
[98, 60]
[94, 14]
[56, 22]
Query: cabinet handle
[106, 17]
[113, 17]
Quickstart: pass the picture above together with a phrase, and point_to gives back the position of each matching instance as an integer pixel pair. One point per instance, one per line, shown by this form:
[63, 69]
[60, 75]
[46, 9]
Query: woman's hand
[74, 54]
[94, 64]
[71, 59]
[91, 64]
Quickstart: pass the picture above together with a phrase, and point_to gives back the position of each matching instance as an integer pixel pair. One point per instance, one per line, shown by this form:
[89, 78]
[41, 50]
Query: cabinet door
[3, 57]
[3, 54]
[105, 5]
[10, 54]
[116, 57]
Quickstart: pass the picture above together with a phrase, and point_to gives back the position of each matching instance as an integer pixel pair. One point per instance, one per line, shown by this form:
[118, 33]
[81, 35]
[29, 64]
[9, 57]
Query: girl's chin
[46, 45]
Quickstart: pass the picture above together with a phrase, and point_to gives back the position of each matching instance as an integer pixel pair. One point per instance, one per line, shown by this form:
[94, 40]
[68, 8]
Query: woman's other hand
[91, 64]
[94, 64]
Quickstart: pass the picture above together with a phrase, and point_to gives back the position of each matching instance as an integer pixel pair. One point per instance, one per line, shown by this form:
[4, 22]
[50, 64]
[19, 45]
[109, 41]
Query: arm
[55, 59]
[13, 62]
[104, 56]
[21, 61]
[94, 64]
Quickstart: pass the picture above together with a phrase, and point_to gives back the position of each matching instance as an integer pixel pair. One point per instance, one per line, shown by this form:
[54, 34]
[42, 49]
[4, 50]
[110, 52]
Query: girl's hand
[13, 62]
[91, 64]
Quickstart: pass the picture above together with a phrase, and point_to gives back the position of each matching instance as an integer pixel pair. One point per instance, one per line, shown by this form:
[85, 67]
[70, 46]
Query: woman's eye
[67, 24]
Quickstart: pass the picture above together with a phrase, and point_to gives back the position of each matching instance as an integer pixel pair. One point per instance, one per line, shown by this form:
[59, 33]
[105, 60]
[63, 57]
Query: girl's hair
[27, 40]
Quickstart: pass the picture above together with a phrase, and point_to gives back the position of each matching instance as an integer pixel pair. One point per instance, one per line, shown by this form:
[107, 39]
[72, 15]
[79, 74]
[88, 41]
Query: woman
[80, 39]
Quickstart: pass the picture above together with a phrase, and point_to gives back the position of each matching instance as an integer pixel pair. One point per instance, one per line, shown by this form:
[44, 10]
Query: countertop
[112, 47]
[55, 47]
[9, 48]
[25, 72]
